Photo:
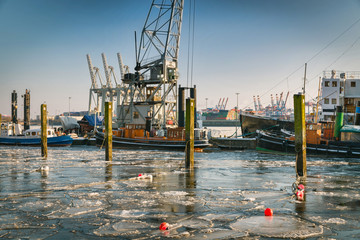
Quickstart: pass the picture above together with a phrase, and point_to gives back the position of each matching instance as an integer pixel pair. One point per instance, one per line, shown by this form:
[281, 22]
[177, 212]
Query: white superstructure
[340, 89]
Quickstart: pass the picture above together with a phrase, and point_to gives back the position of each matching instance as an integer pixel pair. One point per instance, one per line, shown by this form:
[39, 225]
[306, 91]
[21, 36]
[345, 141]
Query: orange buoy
[268, 212]
[164, 226]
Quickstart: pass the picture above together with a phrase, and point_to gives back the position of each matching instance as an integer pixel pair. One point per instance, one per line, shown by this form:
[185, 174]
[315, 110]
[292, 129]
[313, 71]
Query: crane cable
[191, 41]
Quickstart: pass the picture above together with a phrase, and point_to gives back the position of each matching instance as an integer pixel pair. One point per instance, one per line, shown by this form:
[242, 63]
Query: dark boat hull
[149, 143]
[60, 141]
[250, 123]
[268, 142]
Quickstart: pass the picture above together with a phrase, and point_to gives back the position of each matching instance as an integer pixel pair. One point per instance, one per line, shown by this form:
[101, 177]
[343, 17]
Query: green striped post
[300, 135]
[108, 131]
[189, 133]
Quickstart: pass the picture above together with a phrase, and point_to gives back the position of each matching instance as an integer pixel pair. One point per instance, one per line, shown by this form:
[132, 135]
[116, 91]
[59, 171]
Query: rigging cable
[312, 58]
[337, 59]
[188, 53]
[193, 43]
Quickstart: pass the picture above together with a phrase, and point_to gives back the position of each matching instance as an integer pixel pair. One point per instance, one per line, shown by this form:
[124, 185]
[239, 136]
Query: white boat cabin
[10, 129]
[37, 133]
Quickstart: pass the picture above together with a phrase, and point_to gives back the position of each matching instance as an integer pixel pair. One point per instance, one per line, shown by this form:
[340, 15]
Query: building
[339, 90]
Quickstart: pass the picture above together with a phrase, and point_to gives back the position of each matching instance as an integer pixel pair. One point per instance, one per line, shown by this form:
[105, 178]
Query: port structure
[151, 91]
[110, 90]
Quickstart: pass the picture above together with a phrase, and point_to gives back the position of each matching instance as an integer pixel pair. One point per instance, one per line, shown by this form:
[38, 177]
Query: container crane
[255, 106]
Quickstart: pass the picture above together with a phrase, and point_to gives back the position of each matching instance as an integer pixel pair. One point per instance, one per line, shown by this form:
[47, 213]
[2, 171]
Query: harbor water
[75, 194]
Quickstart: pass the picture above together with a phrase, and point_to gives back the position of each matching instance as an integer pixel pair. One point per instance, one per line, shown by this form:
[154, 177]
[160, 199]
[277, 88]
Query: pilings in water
[300, 134]
[43, 111]
[108, 131]
[338, 122]
[26, 109]
[14, 107]
[189, 133]
[181, 106]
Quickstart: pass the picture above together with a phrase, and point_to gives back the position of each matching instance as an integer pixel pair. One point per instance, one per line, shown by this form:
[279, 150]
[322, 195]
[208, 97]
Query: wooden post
[189, 134]
[300, 135]
[108, 131]
[43, 111]
[0, 119]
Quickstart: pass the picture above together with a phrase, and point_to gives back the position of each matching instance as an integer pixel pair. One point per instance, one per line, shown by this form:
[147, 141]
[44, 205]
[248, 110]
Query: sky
[250, 47]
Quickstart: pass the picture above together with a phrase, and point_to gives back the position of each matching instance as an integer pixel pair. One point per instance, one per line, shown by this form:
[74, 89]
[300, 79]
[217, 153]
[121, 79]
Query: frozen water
[81, 196]
[277, 227]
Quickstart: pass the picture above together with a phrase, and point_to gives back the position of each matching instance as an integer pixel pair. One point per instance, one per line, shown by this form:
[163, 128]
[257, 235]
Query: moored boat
[249, 123]
[140, 138]
[318, 142]
[32, 137]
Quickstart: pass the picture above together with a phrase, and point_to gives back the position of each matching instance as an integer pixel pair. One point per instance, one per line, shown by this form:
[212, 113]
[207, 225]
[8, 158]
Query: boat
[136, 137]
[319, 141]
[250, 123]
[31, 137]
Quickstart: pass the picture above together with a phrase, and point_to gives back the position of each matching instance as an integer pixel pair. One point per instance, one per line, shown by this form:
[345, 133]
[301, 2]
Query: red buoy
[268, 212]
[139, 175]
[300, 195]
[301, 187]
[164, 226]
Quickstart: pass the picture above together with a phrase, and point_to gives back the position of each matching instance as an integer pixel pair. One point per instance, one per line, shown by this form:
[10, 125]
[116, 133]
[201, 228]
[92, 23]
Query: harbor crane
[151, 91]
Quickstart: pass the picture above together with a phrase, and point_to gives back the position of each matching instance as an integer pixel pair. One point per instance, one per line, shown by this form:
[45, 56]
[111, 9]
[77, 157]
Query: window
[33, 133]
[353, 84]
[333, 101]
[327, 83]
[334, 83]
[326, 101]
[136, 115]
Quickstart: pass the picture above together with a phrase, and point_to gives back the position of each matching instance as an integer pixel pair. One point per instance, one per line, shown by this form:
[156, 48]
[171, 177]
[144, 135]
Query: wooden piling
[108, 131]
[43, 111]
[300, 135]
[189, 133]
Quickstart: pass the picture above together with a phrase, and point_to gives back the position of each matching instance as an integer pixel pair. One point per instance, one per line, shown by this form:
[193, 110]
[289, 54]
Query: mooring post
[108, 131]
[43, 111]
[339, 122]
[300, 134]
[189, 133]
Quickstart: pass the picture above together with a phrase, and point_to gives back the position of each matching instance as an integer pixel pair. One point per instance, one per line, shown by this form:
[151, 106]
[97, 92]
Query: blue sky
[240, 46]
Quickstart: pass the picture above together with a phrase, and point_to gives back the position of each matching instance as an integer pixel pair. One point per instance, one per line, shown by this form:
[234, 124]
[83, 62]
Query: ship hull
[60, 141]
[250, 123]
[149, 143]
[269, 142]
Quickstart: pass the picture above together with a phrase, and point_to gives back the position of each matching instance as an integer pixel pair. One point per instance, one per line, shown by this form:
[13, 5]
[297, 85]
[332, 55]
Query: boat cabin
[37, 133]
